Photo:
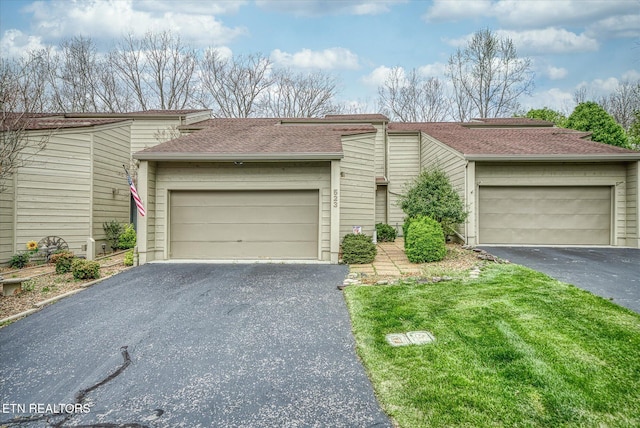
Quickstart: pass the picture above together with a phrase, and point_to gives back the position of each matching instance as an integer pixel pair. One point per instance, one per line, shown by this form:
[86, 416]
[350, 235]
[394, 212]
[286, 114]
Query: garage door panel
[244, 224]
[545, 215]
[546, 221]
[242, 214]
[559, 206]
[224, 232]
[547, 192]
[536, 236]
[258, 198]
[243, 250]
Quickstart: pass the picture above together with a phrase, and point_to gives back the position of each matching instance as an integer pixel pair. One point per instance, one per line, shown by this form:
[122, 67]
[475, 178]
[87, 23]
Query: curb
[20, 315]
[42, 304]
[53, 299]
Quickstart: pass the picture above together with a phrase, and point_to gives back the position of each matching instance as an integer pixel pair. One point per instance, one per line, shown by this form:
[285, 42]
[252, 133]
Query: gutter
[556, 157]
[236, 157]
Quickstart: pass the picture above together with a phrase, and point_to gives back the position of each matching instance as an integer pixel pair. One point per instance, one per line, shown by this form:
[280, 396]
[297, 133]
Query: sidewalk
[390, 261]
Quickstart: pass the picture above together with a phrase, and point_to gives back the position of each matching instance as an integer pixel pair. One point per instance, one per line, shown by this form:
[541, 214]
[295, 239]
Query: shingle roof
[256, 137]
[47, 121]
[511, 141]
[508, 121]
[167, 112]
[364, 117]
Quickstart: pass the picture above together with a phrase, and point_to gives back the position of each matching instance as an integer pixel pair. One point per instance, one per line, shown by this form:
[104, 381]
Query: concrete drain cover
[410, 338]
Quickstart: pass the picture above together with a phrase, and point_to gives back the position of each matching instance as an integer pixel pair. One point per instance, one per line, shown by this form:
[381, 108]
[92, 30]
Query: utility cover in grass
[410, 338]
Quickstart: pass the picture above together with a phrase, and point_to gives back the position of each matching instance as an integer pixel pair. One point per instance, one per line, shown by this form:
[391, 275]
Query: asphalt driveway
[612, 273]
[206, 345]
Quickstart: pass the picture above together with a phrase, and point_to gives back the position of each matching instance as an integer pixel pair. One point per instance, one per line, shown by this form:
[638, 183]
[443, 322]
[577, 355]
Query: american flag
[134, 193]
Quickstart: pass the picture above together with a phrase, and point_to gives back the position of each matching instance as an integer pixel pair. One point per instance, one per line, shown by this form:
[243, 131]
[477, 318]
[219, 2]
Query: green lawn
[513, 348]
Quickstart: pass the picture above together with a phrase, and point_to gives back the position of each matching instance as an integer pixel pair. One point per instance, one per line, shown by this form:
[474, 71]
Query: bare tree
[581, 95]
[25, 83]
[21, 90]
[17, 147]
[158, 68]
[300, 95]
[489, 73]
[412, 98]
[74, 80]
[623, 103]
[113, 94]
[360, 106]
[462, 106]
[231, 87]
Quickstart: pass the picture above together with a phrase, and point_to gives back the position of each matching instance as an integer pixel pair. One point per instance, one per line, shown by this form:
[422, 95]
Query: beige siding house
[77, 182]
[257, 189]
[64, 190]
[272, 189]
[291, 189]
[526, 183]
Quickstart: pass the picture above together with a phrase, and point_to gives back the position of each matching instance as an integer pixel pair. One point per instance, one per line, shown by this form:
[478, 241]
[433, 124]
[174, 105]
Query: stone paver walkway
[390, 261]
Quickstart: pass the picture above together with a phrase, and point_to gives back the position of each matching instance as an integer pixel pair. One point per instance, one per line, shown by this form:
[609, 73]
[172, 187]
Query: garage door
[545, 215]
[244, 224]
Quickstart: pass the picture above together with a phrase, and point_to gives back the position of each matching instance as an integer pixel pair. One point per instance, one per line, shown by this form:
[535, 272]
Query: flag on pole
[134, 193]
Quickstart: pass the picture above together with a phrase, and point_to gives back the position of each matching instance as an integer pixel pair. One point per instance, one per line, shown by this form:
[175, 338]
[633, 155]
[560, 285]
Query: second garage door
[272, 224]
[549, 215]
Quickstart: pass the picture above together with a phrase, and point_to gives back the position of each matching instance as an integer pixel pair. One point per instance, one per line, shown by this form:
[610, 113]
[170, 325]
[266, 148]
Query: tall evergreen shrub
[425, 241]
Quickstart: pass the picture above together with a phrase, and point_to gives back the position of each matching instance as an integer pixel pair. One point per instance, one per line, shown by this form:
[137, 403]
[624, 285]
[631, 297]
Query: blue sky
[572, 43]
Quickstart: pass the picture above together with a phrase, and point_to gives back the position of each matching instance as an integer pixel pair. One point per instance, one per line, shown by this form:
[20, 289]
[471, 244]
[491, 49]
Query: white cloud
[600, 87]
[322, 7]
[550, 40]
[437, 69]
[113, 18]
[374, 7]
[14, 44]
[543, 41]
[327, 59]
[209, 7]
[532, 14]
[631, 75]
[546, 13]
[627, 26]
[223, 52]
[447, 10]
[554, 98]
[556, 73]
[378, 76]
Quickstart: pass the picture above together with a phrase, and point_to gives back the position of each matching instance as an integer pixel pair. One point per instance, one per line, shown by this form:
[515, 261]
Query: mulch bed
[46, 284]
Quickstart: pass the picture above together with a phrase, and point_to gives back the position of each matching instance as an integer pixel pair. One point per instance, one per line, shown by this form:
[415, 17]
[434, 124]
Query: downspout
[385, 128]
[14, 247]
[91, 178]
[420, 166]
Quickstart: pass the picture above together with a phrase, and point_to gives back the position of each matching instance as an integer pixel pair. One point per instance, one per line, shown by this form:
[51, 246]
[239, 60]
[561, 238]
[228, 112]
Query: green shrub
[128, 258]
[385, 233]
[85, 269]
[127, 238]
[19, 260]
[112, 229]
[425, 241]
[62, 260]
[405, 230]
[358, 249]
[432, 195]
